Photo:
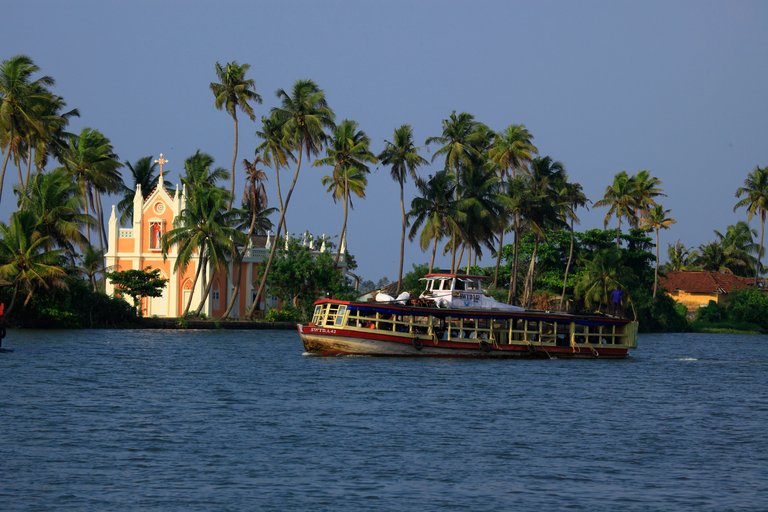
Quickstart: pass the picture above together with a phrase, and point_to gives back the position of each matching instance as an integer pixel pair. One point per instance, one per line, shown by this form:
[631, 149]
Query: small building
[139, 247]
[694, 289]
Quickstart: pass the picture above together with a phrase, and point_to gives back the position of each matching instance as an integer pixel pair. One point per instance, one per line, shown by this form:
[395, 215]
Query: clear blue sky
[675, 87]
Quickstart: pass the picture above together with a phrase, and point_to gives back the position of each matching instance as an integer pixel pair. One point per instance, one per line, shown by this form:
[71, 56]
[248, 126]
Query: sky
[676, 87]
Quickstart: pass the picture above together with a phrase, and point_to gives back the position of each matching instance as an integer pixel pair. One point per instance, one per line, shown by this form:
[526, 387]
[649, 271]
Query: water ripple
[233, 420]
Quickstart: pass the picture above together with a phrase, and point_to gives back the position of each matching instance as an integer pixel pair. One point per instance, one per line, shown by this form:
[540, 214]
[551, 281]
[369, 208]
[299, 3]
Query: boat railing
[501, 331]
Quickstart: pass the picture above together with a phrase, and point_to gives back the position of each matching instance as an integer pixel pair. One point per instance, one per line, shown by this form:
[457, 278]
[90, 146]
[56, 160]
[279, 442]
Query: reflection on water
[233, 420]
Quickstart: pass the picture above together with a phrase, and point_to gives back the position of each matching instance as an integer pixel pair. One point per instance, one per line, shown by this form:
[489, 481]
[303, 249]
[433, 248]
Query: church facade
[139, 247]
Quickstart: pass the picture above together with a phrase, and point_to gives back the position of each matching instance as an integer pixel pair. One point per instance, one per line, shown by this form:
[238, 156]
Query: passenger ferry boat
[453, 317]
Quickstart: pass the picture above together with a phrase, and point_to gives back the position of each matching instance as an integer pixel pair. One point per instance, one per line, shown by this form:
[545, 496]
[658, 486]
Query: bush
[749, 305]
[711, 313]
[287, 314]
[76, 307]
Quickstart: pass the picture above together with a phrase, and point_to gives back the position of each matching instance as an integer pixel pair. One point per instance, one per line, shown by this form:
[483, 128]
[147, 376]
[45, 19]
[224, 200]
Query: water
[240, 420]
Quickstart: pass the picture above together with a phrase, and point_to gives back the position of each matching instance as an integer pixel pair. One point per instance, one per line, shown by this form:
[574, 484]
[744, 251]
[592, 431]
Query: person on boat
[616, 301]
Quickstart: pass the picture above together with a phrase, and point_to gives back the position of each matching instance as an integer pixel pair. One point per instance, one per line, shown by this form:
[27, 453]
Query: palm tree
[571, 196]
[512, 150]
[275, 153]
[348, 152]
[602, 274]
[403, 157]
[304, 116]
[755, 192]
[543, 208]
[24, 261]
[143, 173]
[738, 245]
[680, 257]
[255, 218]
[93, 263]
[55, 201]
[460, 143]
[435, 207]
[647, 188]
[233, 92]
[482, 207]
[620, 198]
[657, 219]
[202, 229]
[91, 162]
[46, 133]
[710, 257]
[20, 99]
[198, 172]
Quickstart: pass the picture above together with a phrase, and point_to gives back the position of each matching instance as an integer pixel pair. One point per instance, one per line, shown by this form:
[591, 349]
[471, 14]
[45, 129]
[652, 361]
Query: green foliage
[749, 305]
[712, 313]
[138, 283]
[411, 283]
[660, 314]
[76, 307]
[286, 314]
[745, 310]
[299, 277]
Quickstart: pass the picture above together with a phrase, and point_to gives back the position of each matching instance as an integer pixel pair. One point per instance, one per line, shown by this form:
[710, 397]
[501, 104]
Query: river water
[241, 420]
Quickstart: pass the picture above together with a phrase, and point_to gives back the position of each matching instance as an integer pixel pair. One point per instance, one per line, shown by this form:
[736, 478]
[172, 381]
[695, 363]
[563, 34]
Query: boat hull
[325, 341]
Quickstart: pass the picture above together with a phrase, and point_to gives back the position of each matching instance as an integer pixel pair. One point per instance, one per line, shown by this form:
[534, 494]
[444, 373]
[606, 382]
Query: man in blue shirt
[616, 301]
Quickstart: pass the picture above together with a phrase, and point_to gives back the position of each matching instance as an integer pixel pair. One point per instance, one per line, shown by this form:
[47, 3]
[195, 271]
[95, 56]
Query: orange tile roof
[703, 282]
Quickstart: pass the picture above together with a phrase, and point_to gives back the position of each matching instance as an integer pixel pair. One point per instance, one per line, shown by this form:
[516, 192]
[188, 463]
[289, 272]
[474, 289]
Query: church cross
[161, 161]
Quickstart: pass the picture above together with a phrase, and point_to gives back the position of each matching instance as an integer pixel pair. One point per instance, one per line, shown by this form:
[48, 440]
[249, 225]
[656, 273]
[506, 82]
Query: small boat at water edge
[453, 317]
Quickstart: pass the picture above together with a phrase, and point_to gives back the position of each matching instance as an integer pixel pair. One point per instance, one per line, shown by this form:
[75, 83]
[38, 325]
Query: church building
[139, 247]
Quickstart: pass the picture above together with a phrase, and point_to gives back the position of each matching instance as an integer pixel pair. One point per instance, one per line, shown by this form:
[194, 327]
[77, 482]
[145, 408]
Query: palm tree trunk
[194, 284]
[343, 239]
[280, 197]
[205, 296]
[29, 166]
[100, 207]
[453, 251]
[567, 268]
[515, 256]
[234, 161]
[402, 241]
[528, 292]
[206, 285]
[18, 169]
[618, 232]
[13, 300]
[87, 214]
[239, 260]
[760, 254]
[2, 172]
[498, 258]
[432, 259]
[272, 251]
[456, 267]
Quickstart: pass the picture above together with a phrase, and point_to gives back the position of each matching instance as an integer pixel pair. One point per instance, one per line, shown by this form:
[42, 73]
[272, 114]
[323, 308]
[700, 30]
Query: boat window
[340, 315]
[459, 285]
[473, 285]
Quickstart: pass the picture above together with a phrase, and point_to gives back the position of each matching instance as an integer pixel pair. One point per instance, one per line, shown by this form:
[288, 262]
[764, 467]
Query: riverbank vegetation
[488, 195]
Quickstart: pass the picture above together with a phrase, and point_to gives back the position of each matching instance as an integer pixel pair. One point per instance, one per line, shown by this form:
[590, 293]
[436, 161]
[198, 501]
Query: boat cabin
[460, 291]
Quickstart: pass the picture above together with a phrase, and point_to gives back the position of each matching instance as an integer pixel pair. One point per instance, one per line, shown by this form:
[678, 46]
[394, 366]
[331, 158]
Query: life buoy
[417, 344]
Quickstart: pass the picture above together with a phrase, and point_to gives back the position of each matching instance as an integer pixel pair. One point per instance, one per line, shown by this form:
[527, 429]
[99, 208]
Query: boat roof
[447, 276]
[401, 309]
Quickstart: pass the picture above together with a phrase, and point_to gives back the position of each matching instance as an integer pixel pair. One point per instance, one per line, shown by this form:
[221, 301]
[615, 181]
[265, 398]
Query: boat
[454, 317]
